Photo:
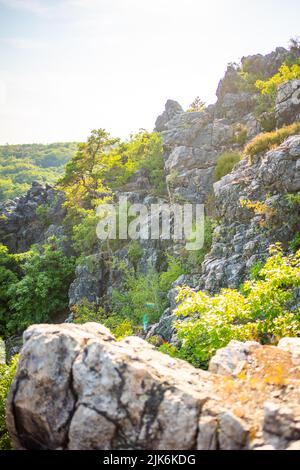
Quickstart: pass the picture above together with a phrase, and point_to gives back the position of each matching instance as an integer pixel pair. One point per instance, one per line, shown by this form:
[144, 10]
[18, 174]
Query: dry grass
[268, 140]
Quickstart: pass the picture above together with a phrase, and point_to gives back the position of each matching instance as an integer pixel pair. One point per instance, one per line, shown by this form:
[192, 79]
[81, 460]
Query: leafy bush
[84, 234]
[225, 164]
[294, 245]
[42, 213]
[285, 73]
[269, 140]
[85, 312]
[255, 271]
[135, 253]
[8, 277]
[174, 271]
[141, 297]
[7, 373]
[43, 290]
[262, 311]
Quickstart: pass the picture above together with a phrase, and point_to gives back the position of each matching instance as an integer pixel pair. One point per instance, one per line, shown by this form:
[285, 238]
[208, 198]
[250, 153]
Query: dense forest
[20, 165]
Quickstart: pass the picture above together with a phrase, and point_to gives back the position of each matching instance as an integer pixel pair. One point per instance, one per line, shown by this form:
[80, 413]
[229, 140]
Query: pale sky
[69, 66]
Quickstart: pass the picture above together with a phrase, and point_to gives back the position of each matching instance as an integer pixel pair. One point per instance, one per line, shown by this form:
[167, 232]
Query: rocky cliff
[193, 142]
[77, 388]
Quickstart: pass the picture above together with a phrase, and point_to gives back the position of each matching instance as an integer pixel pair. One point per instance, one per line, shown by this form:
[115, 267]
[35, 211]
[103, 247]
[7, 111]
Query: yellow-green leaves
[261, 310]
[284, 74]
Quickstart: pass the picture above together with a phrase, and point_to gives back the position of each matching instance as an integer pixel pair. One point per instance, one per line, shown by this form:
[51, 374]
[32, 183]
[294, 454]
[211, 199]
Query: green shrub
[225, 164]
[84, 234]
[135, 253]
[141, 297]
[293, 199]
[263, 311]
[255, 271]
[294, 245]
[269, 140]
[174, 271]
[20, 165]
[169, 349]
[85, 312]
[42, 214]
[8, 277]
[285, 73]
[42, 292]
[7, 373]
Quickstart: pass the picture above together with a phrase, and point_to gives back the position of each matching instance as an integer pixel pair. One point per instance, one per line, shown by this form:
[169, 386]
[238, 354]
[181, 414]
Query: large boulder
[76, 387]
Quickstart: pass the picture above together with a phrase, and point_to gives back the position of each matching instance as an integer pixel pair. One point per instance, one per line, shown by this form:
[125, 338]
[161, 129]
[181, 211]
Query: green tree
[8, 277]
[42, 292]
[83, 181]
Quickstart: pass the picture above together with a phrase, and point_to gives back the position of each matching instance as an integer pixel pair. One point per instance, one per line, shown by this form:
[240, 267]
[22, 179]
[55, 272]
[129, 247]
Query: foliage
[225, 164]
[169, 349]
[104, 164]
[174, 271]
[42, 292]
[269, 140]
[85, 312]
[197, 106]
[84, 234]
[42, 214]
[140, 291]
[255, 271]
[262, 311]
[293, 199]
[285, 73]
[134, 254]
[7, 373]
[294, 244]
[154, 163]
[8, 277]
[83, 181]
[194, 259]
[260, 208]
[20, 165]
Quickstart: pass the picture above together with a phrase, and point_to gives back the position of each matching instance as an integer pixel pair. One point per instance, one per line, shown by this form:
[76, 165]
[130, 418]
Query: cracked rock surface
[78, 388]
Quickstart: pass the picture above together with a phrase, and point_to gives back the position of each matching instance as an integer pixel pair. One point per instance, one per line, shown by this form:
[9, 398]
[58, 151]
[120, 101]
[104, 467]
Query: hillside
[229, 308]
[20, 165]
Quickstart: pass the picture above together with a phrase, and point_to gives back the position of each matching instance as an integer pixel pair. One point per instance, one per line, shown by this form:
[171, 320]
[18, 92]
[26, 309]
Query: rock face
[288, 103]
[21, 224]
[243, 236]
[194, 140]
[77, 388]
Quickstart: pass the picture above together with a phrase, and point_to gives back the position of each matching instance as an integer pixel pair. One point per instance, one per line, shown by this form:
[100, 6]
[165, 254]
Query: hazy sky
[69, 66]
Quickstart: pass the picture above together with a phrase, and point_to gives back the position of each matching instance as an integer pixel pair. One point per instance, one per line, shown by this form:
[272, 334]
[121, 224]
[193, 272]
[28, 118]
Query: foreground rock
[77, 388]
[2, 352]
